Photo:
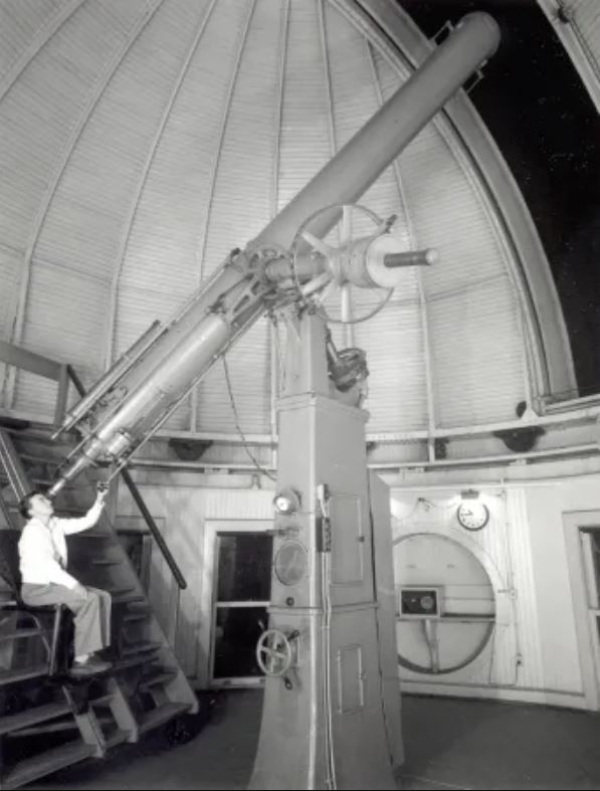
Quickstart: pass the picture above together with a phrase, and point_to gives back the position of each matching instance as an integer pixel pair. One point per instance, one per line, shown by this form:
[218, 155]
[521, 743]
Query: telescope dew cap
[488, 26]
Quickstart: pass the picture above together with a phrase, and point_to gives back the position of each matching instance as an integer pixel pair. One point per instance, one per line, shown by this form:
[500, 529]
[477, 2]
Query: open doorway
[237, 592]
[582, 537]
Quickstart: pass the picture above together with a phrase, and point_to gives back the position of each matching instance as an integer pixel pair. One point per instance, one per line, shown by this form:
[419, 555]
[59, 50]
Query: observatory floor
[452, 744]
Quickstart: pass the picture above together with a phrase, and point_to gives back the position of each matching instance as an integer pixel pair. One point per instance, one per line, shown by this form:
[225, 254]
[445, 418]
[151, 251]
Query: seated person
[43, 562]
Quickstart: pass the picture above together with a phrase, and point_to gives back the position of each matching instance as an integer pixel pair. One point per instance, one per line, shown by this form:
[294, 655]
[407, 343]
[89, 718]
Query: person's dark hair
[25, 503]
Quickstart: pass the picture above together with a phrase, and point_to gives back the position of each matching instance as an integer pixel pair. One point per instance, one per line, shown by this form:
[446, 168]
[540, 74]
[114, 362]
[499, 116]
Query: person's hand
[101, 492]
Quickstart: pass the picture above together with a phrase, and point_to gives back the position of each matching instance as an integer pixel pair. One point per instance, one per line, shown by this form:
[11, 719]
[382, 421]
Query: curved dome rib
[123, 242]
[577, 24]
[284, 37]
[39, 41]
[333, 143]
[56, 72]
[202, 243]
[412, 245]
[103, 81]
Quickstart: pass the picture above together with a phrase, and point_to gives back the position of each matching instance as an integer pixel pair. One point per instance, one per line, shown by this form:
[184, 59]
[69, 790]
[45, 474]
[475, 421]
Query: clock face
[473, 516]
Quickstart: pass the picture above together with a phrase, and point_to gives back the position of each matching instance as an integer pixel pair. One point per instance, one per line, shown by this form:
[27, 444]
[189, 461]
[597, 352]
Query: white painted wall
[534, 654]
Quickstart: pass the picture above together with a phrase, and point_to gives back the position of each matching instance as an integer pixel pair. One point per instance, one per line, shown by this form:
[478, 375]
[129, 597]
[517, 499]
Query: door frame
[207, 594]
[576, 523]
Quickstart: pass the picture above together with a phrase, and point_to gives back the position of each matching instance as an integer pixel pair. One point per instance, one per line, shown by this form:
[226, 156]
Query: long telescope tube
[186, 352]
[375, 146]
[125, 361]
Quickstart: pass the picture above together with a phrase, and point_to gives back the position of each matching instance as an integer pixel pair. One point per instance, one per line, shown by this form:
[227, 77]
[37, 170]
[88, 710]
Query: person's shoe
[109, 654]
[81, 670]
[90, 667]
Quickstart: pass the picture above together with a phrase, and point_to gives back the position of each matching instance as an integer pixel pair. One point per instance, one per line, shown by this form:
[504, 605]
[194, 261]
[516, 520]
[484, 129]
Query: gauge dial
[291, 563]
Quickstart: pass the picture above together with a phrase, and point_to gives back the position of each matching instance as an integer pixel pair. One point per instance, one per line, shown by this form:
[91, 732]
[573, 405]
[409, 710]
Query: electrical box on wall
[419, 602]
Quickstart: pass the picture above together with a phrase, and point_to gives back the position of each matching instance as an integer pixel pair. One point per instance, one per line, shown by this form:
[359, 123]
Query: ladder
[145, 688]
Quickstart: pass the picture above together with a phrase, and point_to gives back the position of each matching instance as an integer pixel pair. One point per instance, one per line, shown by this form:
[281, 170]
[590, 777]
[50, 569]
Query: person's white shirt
[43, 548]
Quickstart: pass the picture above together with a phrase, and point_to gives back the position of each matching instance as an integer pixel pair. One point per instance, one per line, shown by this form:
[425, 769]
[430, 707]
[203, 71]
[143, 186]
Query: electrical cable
[237, 423]
[327, 605]
[327, 615]
[380, 668]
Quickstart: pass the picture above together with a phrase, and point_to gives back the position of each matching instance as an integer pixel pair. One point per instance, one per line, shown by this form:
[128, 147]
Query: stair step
[48, 727]
[25, 719]
[49, 453]
[24, 674]
[50, 761]
[116, 592]
[37, 434]
[115, 738]
[164, 677]
[139, 648]
[127, 598]
[17, 634]
[131, 662]
[32, 457]
[161, 715]
[132, 617]
[102, 701]
[14, 424]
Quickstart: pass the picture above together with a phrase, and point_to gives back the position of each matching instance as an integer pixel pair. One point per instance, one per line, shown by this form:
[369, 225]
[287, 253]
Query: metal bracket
[386, 225]
[475, 80]
[443, 32]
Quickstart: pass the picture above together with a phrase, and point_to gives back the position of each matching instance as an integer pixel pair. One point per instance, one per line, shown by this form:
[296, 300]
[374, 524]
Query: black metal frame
[16, 604]
[35, 613]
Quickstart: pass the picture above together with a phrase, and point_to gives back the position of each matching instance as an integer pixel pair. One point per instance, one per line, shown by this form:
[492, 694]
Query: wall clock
[472, 515]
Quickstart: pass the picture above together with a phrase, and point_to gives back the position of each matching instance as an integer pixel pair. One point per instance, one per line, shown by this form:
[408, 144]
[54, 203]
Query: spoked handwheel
[274, 653]
[335, 294]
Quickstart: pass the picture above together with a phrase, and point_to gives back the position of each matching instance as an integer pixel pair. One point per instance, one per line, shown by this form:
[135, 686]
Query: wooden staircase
[48, 724]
